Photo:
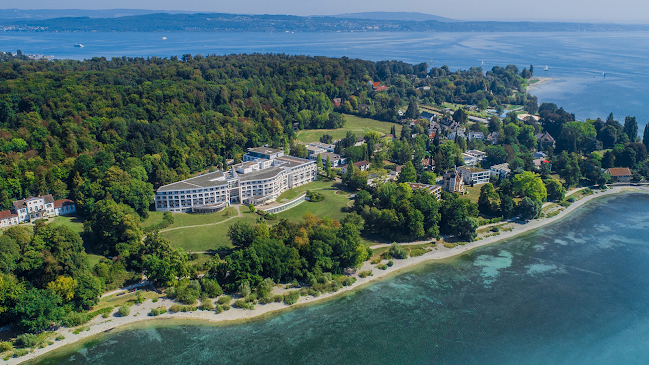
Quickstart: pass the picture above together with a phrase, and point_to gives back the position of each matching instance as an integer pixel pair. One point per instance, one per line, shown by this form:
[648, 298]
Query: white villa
[34, 208]
[473, 174]
[263, 176]
[500, 171]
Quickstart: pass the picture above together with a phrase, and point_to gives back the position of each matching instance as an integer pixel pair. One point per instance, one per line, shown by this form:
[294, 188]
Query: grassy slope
[354, 124]
[187, 219]
[332, 206]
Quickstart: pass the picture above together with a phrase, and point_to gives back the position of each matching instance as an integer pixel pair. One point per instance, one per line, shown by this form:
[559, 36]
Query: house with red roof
[621, 174]
[34, 208]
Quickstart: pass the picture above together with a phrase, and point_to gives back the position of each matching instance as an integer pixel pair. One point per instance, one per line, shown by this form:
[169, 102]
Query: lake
[574, 292]
[576, 60]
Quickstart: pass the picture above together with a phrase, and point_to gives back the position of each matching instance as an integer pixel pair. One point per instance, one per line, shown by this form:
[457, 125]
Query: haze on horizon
[504, 10]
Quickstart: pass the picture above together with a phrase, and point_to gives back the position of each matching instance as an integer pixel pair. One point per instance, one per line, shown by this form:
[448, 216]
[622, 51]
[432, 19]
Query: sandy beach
[541, 81]
[140, 313]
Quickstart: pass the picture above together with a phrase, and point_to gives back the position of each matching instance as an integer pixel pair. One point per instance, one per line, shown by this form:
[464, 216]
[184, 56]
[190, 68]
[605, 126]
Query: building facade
[263, 176]
[453, 182]
[34, 208]
[500, 171]
[473, 175]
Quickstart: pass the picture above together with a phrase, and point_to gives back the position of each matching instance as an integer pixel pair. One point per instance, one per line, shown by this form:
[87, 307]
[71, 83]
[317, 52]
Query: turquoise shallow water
[575, 292]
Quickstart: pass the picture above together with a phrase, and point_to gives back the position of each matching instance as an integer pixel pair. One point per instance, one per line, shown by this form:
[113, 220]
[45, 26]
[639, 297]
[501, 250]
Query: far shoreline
[139, 318]
[540, 81]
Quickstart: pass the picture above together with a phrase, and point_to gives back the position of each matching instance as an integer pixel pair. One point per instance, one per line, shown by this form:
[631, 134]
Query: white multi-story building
[473, 175]
[500, 171]
[34, 208]
[263, 176]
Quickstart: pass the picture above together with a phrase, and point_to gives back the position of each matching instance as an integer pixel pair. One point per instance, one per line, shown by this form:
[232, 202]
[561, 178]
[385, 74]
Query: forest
[106, 133]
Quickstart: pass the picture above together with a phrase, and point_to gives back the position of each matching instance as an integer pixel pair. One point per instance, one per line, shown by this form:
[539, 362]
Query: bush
[181, 308]
[20, 352]
[59, 338]
[364, 274]
[124, 310]
[398, 252]
[278, 298]
[251, 298]
[417, 252]
[291, 297]
[495, 229]
[27, 340]
[314, 196]
[349, 281]
[155, 300]
[154, 312]
[244, 289]
[140, 297]
[226, 307]
[375, 261]
[294, 283]
[6, 346]
[218, 308]
[390, 263]
[240, 303]
[207, 305]
[571, 199]
[211, 287]
[382, 266]
[226, 299]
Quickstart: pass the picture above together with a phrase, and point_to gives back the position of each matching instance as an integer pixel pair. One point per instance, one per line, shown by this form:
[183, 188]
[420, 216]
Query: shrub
[390, 263]
[291, 297]
[218, 308]
[59, 338]
[398, 252]
[375, 261]
[27, 340]
[350, 280]
[20, 352]
[294, 283]
[244, 289]
[181, 308]
[226, 299]
[303, 292]
[364, 274]
[314, 196]
[240, 303]
[140, 297]
[226, 307]
[251, 298]
[207, 305]
[211, 287]
[155, 300]
[154, 312]
[382, 266]
[417, 252]
[571, 199]
[278, 298]
[124, 310]
[495, 229]
[565, 203]
[6, 346]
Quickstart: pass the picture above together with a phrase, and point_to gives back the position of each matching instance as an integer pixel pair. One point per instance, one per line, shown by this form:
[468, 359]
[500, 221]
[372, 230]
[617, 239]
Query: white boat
[546, 68]
[164, 38]
[79, 45]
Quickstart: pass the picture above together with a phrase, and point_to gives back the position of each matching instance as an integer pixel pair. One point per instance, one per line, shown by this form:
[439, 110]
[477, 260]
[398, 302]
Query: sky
[572, 10]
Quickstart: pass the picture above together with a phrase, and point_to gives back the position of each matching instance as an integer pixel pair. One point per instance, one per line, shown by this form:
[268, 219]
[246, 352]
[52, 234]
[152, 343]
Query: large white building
[34, 208]
[263, 176]
[473, 175]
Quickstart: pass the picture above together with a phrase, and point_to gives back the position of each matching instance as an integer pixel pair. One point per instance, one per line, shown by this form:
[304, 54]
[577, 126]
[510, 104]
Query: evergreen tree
[318, 162]
[413, 110]
[328, 167]
[645, 136]
[393, 131]
[631, 128]
[408, 173]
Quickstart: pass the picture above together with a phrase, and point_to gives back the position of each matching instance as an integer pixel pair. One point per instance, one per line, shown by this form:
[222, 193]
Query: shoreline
[139, 316]
[541, 81]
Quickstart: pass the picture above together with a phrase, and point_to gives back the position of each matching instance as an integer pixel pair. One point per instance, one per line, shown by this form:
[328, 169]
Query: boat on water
[163, 38]
[546, 68]
[79, 45]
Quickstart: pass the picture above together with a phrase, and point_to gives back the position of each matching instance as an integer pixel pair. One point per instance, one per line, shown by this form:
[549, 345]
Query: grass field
[207, 237]
[72, 221]
[294, 193]
[473, 193]
[191, 219]
[357, 125]
[332, 206]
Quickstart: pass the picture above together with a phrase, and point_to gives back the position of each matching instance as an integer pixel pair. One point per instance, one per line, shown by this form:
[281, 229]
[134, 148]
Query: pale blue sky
[601, 10]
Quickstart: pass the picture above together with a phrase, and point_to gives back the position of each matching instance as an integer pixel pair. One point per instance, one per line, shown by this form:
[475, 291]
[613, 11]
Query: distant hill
[223, 22]
[387, 15]
[40, 14]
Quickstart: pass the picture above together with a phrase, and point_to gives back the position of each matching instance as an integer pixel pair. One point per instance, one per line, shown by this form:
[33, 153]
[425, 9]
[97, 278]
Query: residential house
[538, 163]
[428, 163]
[478, 120]
[493, 137]
[469, 160]
[473, 175]
[336, 159]
[360, 165]
[453, 182]
[477, 154]
[34, 208]
[475, 135]
[434, 190]
[336, 101]
[545, 140]
[539, 155]
[500, 171]
[621, 174]
[428, 116]
[359, 141]
[459, 132]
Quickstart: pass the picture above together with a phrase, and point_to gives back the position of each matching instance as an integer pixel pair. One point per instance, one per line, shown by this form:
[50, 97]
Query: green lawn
[357, 125]
[332, 206]
[207, 237]
[72, 221]
[190, 219]
[473, 193]
[294, 193]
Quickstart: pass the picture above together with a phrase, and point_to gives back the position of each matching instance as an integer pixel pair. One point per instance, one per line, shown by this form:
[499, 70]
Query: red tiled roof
[620, 171]
[7, 214]
[381, 88]
[62, 202]
[376, 83]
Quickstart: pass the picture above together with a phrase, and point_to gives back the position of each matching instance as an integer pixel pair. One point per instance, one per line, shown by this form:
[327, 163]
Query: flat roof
[264, 150]
[261, 174]
[198, 182]
[291, 161]
[473, 169]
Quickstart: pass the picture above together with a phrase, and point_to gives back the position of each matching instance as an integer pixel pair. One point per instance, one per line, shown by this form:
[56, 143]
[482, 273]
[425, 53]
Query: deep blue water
[576, 60]
[574, 292]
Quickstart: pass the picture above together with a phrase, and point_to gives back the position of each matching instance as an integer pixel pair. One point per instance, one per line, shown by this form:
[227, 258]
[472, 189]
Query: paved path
[127, 288]
[239, 215]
